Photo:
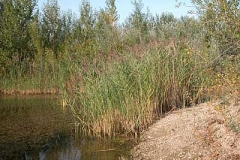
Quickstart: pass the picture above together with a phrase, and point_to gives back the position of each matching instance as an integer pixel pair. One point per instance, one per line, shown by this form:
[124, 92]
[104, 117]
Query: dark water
[36, 127]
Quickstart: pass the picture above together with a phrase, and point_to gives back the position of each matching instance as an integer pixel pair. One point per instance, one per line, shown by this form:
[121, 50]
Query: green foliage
[163, 25]
[106, 30]
[111, 15]
[124, 96]
[51, 26]
[221, 20]
[84, 31]
[87, 20]
[117, 76]
[137, 23]
[15, 40]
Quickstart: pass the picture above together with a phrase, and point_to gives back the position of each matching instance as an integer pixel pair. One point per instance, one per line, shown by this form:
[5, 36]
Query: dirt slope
[206, 131]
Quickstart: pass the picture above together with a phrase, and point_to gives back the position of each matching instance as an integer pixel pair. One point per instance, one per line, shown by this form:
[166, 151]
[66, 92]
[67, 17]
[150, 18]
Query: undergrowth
[125, 95]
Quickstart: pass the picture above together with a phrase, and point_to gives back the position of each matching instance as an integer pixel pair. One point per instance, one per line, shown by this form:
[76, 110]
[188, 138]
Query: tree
[51, 26]
[106, 30]
[138, 21]
[34, 29]
[15, 40]
[67, 23]
[110, 13]
[1, 8]
[165, 25]
[221, 18]
[84, 30]
[87, 20]
[67, 32]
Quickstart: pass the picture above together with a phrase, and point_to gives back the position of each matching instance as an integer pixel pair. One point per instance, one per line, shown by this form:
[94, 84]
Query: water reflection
[28, 122]
[35, 127]
[67, 151]
[72, 153]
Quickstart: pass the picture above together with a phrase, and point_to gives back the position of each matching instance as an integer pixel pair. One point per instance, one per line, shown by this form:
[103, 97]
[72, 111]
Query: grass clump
[126, 95]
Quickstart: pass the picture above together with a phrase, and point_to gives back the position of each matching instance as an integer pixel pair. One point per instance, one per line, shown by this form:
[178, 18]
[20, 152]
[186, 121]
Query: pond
[36, 127]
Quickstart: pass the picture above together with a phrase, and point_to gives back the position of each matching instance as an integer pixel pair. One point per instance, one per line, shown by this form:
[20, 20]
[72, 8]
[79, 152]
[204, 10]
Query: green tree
[67, 23]
[51, 26]
[106, 28]
[164, 25]
[221, 18]
[110, 13]
[84, 30]
[87, 20]
[15, 40]
[137, 22]
[34, 29]
[67, 32]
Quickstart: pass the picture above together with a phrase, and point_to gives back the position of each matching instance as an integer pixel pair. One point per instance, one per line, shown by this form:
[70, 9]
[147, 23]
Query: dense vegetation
[119, 77]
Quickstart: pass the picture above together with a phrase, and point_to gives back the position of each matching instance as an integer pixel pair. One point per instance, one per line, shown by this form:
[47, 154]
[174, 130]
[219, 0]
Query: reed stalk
[125, 95]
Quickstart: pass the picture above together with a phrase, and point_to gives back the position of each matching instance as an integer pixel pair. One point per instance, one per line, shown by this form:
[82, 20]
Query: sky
[125, 7]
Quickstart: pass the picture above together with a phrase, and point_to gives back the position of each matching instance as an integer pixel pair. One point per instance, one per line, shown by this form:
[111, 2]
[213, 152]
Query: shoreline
[29, 91]
[200, 132]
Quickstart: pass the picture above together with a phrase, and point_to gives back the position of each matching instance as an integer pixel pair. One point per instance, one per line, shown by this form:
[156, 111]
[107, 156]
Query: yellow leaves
[219, 108]
[188, 52]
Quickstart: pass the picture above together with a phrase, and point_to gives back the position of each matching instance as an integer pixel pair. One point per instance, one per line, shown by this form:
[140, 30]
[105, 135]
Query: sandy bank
[206, 131]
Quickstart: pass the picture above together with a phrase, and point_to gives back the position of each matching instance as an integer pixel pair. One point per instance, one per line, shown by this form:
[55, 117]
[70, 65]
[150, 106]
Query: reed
[124, 96]
[40, 81]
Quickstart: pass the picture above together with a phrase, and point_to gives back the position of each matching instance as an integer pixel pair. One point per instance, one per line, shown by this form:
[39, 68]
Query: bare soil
[206, 131]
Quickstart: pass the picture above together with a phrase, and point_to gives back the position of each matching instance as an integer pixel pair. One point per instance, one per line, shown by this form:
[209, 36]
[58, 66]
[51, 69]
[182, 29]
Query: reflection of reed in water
[76, 129]
[64, 104]
[29, 121]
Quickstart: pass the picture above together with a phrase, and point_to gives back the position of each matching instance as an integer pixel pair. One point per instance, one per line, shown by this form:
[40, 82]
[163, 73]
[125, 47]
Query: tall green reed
[125, 95]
